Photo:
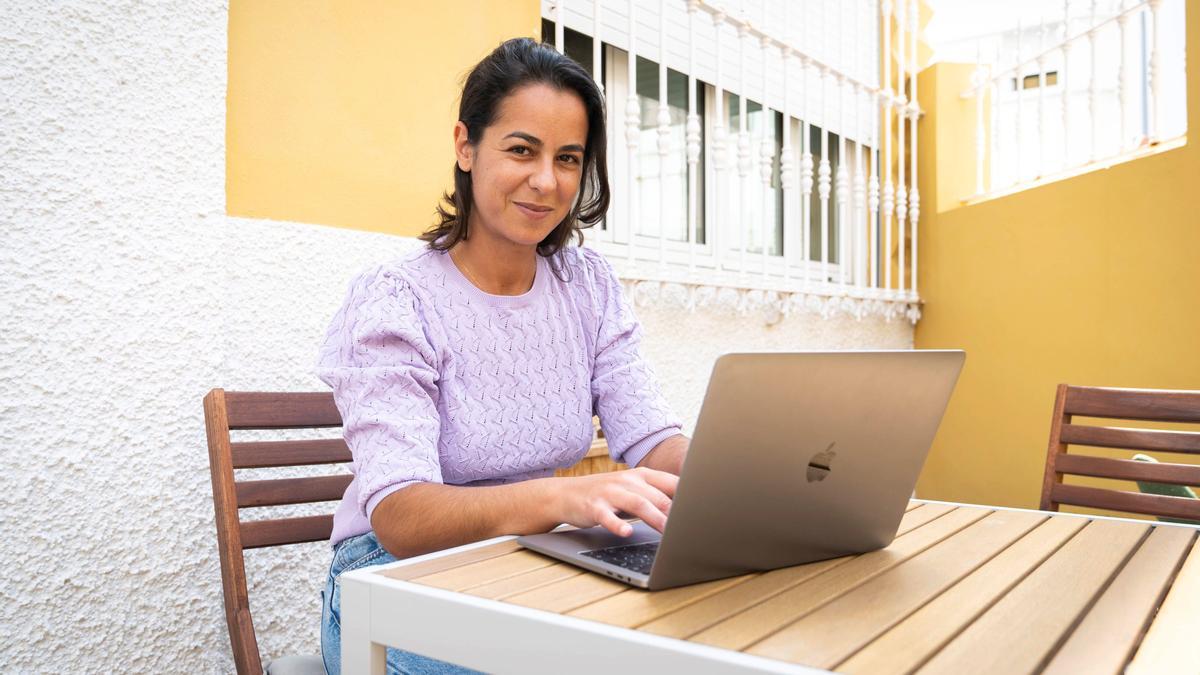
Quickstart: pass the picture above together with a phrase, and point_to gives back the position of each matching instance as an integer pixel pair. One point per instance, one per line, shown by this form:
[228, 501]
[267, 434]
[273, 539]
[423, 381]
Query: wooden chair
[225, 411]
[1128, 404]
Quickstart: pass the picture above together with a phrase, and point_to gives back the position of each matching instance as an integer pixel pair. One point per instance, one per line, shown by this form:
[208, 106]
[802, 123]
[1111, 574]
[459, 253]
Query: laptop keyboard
[636, 557]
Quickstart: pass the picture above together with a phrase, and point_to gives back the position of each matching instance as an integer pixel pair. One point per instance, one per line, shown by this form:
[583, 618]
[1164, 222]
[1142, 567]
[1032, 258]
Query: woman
[468, 371]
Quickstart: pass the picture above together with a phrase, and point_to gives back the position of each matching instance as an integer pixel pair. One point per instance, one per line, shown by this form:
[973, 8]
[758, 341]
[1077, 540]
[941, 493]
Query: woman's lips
[533, 211]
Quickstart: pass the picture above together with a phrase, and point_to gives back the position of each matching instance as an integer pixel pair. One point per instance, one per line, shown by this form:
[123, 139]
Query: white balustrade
[744, 157]
[787, 170]
[1041, 97]
[766, 148]
[1156, 70]
[823, 183]
[1093, 88]
[724, 232]
[914, 195]
[901, 118]
[843, 185]
[632, 132]
[596, 44]
[806, 177]
[1110, 54]
[664, 134]
[1063, 87]
[889, 194]
[1123, 97]
[693, 134]
[720, 150]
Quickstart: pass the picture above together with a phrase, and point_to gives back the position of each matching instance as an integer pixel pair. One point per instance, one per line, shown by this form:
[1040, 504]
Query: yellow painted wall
[341, 112]
[1093, 280]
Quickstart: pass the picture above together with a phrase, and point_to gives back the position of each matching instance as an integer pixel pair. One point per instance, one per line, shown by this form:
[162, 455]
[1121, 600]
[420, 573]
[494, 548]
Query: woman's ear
[463, 151]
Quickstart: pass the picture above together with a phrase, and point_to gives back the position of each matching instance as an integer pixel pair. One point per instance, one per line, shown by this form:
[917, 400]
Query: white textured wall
[127, 294]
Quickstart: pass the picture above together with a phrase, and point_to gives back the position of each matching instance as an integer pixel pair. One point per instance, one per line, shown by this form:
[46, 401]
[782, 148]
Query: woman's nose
[542, 179]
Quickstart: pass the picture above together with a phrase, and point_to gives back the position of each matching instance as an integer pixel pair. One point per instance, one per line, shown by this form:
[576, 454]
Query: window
[754, 208]
[754, 220]
[1031, 81]
[671, 188]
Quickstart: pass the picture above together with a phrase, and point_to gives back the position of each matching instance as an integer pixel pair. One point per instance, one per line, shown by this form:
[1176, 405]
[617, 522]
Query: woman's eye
[519, 150]
[569, 159]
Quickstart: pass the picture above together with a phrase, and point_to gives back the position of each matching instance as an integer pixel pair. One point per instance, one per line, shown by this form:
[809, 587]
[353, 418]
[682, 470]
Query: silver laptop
[796, 457]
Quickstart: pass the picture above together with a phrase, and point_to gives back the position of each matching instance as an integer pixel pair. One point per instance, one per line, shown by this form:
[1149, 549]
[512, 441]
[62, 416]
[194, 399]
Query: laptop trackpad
[593, 538]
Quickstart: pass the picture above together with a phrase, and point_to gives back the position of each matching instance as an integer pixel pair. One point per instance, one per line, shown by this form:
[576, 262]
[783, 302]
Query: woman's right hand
[595, 500]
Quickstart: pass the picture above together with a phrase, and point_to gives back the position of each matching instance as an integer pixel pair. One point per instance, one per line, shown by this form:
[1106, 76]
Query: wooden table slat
[1018, 633]
[568, 594]
[503, 588]
[1171, 644]
[635, 606]
[833, 632]
[700, 615]
[1107, 636]
[427, 567]
[745, 628]
[911, 642]
[485, 571]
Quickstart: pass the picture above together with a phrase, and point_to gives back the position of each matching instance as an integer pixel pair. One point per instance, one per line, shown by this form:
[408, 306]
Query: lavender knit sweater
[440, 382]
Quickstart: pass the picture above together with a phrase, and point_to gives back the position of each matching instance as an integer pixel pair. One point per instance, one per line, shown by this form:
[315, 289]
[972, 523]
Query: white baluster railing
[823, 184]
[730, 179]
[692, 136]
[664, 133]
[1089, 58]
[632, 132]
[743, 146]
[766, 150]
[889, 194]
[914, 195]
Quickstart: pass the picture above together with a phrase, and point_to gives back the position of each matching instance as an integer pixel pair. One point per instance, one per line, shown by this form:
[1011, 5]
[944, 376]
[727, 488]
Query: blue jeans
[352, 554]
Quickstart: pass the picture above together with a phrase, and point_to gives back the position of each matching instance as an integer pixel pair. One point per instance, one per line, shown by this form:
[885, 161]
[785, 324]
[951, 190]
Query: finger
[609, 521]
[644, 509]
[657, 497]
[663, 481]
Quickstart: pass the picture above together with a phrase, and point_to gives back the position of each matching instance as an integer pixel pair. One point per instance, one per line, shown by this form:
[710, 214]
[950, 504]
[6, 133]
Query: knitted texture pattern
[440, 382]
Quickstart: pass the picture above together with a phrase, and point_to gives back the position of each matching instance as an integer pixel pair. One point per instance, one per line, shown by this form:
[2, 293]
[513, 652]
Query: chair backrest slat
[266, 454]
[1120, 437]
[1121, 469]
[1131, 502]
[280, 531]
[280, 491]
[1162, 405]
[1152, 405]
[281, 410]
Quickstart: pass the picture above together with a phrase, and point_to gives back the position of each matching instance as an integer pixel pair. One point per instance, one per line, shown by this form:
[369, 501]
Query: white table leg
[359, 654]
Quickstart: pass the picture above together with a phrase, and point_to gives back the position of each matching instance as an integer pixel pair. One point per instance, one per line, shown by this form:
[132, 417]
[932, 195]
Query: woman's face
[526, 168]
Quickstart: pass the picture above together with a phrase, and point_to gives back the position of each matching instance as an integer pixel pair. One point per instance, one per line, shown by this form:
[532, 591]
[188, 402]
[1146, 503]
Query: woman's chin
[529, 236]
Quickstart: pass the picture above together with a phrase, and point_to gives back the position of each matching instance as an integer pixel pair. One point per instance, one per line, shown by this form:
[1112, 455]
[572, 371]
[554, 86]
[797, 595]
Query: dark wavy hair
[514, 64]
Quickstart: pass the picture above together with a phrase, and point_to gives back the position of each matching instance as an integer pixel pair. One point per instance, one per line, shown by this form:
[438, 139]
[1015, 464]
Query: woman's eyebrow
[534, 140]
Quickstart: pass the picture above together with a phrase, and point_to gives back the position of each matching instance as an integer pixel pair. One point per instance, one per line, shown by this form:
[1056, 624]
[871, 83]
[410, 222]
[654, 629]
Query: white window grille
[744, 149]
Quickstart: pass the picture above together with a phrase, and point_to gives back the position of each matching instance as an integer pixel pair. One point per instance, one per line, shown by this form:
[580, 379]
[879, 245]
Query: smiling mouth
[534, 207]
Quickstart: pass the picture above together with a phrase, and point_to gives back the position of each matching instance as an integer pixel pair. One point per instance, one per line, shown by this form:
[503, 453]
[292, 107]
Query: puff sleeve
[625, 394]
[384, 375]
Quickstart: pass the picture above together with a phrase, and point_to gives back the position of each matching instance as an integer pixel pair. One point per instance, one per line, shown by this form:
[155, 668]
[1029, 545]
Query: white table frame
[498, 637]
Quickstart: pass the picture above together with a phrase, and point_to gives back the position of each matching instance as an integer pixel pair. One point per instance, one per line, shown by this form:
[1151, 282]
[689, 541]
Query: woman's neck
[495, 268]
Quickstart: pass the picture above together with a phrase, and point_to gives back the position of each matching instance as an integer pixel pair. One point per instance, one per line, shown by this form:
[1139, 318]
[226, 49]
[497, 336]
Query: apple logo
[819, 465]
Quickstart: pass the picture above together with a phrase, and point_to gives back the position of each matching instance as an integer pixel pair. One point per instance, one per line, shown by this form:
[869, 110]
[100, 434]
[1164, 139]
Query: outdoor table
[962, 588]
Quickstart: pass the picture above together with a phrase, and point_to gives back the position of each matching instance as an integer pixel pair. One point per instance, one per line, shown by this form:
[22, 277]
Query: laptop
[796, 457]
